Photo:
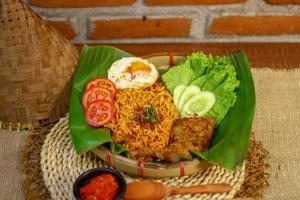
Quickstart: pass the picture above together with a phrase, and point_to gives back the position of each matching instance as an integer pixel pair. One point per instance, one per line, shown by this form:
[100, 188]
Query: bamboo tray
[154, 170]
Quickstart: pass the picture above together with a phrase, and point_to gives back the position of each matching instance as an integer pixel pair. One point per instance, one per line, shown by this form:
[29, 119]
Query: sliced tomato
[103, 83]
[99, 113]
[96, 94]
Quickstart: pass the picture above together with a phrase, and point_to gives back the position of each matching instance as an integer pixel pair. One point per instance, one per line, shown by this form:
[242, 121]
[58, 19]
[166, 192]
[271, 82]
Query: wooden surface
[271, 55]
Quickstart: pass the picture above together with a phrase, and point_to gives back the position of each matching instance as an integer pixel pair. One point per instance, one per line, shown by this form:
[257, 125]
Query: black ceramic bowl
[85, 178]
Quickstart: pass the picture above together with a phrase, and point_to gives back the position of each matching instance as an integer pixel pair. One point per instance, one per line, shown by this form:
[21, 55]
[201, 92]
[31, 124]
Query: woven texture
[36, 64]
[277, 122]
[10, 175]
[61, 166]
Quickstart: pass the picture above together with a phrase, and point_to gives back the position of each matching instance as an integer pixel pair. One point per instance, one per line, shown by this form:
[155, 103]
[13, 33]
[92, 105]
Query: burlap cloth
[276, 124]
[10, 173]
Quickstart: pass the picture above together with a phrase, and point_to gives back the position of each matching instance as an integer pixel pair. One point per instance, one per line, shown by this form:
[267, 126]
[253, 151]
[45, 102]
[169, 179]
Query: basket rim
[180, 54]
[150, 165]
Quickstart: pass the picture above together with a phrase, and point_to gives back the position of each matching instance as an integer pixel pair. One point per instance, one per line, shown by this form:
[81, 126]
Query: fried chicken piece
[198, 130]
[188, 134]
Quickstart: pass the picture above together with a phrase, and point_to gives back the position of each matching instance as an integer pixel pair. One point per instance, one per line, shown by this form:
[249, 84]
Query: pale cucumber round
[177, 93]
[189, 92]
[199, 104]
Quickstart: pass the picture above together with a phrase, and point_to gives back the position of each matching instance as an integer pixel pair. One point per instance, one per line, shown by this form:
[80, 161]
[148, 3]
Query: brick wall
[126, 21]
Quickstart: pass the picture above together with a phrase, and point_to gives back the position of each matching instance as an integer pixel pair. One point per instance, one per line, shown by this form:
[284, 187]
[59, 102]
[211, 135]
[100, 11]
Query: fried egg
[132, 72]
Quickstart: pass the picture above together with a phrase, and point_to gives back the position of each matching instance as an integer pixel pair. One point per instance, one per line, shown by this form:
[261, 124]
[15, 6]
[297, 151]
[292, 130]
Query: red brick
[64, 27]
[283, 2]
[191, 2]
[80, 3]
[138, 28]
[257, 25]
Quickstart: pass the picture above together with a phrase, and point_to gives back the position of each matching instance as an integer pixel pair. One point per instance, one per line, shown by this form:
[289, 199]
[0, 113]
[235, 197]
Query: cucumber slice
[199, 104]
[177, 93]
[189, 92]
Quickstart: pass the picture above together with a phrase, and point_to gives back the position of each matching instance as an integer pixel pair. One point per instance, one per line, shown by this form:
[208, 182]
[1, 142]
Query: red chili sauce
[102, 187]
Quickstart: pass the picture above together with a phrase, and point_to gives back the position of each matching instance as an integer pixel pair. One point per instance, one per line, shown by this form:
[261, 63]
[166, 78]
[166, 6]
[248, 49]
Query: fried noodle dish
[131, 128]
[161, 118]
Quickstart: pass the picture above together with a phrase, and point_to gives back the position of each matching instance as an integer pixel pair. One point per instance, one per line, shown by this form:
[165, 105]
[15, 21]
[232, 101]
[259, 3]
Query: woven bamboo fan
[36, 64]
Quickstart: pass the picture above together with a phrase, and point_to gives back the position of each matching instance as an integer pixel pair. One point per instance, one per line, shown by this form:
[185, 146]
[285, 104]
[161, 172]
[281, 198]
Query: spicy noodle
[129, 127]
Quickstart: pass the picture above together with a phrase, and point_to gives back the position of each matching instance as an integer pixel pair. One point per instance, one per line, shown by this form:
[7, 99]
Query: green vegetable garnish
[199, 104]
[150, 114]
[213, 74]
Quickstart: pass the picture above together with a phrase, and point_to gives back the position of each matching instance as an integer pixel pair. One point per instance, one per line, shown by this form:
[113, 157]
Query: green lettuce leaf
[200, 63]
[194, 66]
[179, 75]
[222, 82]
[215, 74]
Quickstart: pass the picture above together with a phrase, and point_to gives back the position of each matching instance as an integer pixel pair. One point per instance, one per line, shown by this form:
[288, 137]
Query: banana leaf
[94, 62]
[230, 142]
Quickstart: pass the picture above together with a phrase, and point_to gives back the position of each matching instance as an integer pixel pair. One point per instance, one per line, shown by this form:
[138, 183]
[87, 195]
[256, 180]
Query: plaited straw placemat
[61, 166]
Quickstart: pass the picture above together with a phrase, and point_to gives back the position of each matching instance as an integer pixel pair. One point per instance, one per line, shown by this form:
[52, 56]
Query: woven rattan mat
[61, 166]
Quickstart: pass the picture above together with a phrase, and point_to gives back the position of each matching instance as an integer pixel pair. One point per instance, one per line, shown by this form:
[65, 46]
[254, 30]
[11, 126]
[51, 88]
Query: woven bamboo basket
[154, 170]
[36, 64]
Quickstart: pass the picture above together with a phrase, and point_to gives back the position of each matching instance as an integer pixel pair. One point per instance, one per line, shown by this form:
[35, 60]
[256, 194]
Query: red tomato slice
[95, 94]
[103, 83]
[99, 113]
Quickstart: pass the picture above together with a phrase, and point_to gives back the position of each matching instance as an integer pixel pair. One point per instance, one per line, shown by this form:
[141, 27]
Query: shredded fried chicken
[188, 134]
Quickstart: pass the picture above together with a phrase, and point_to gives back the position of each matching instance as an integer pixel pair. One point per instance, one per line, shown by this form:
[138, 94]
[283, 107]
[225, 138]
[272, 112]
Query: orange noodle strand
[127, 128]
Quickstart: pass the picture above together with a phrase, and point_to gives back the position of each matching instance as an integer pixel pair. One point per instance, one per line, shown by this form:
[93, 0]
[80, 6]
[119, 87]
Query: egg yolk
[138, 66]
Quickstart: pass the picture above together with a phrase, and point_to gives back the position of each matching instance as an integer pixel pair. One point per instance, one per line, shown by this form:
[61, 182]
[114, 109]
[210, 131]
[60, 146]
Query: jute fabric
[10, 173]
[277, 124]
